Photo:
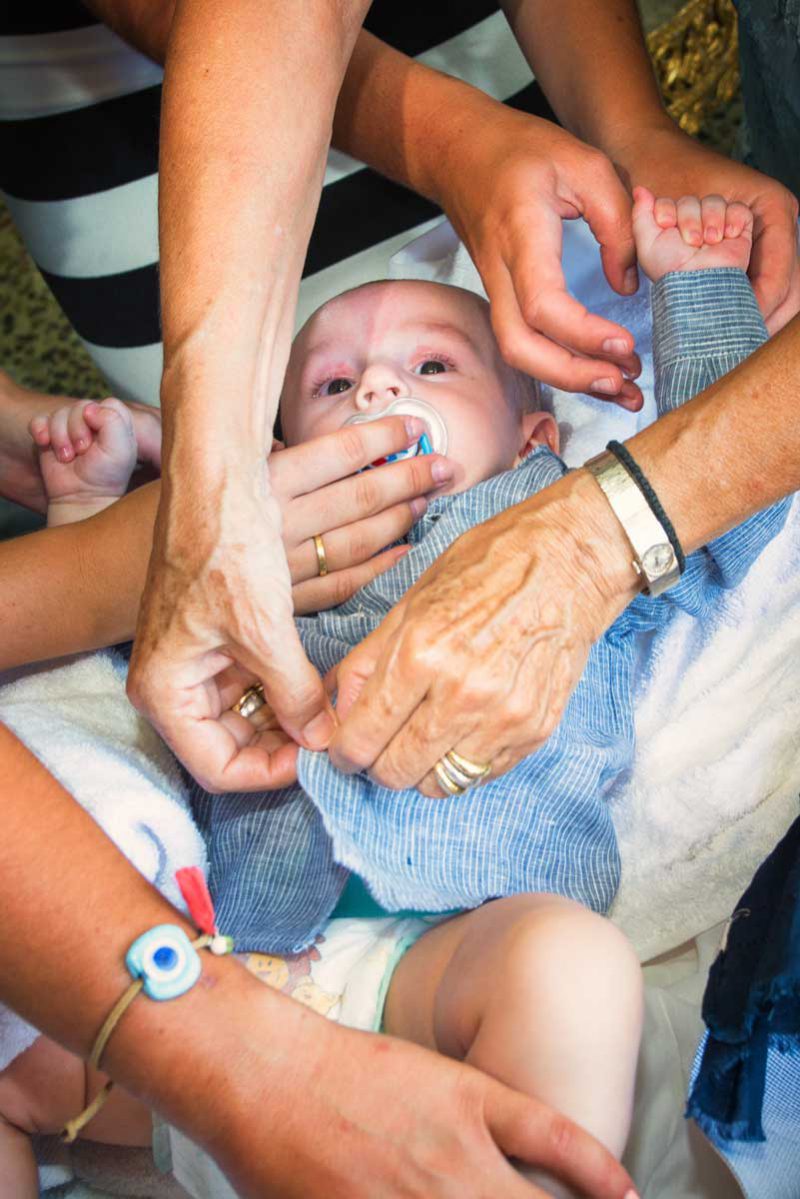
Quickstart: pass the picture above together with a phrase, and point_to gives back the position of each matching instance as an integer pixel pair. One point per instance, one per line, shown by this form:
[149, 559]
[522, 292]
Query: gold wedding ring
[322, 557]
[456, 774]
[249, 703]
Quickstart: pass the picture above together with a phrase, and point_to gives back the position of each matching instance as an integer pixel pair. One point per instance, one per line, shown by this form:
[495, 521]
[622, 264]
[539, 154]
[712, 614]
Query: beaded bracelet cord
[163, 963]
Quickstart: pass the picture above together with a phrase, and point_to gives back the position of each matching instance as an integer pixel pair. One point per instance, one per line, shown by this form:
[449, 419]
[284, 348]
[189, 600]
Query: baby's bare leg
[538, 992]
[43, 1088]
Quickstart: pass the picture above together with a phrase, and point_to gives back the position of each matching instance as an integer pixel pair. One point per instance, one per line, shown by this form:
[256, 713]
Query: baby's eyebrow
[442, 328]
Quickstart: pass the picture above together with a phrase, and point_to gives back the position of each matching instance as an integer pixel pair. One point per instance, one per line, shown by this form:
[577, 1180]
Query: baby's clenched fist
[690, 234]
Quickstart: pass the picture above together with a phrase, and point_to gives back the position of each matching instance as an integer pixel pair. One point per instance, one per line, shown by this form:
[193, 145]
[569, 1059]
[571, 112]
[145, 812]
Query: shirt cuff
[704, 314]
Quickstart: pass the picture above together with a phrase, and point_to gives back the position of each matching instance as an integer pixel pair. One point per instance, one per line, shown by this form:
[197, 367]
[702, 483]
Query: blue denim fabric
[769, 53]
[280, 861]
[745, 1090]
[752, 1001]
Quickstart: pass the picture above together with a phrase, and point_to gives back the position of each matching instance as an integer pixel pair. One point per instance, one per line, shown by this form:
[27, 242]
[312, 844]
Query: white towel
[716, 776]
[76, 718]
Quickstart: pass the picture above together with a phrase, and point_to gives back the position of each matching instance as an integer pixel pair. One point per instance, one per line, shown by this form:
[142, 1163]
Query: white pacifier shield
[409, 406]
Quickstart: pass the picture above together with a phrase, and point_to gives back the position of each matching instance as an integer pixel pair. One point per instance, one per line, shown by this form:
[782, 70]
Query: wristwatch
[654, 558]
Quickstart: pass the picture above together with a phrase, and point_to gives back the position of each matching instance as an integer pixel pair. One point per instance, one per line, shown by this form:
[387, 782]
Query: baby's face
[395, 340]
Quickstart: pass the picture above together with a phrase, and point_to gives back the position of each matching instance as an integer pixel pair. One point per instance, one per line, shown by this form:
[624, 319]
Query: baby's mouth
[432, 441]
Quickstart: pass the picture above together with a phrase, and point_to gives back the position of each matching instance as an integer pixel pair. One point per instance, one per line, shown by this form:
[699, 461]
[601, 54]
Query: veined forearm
[591, 60]
[248, 95]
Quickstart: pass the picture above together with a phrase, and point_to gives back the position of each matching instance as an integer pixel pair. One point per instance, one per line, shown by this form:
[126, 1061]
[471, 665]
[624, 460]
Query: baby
[535, 987]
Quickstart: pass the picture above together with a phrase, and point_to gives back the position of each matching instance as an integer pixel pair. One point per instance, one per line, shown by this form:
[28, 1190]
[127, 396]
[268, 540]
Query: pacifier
[434, 441]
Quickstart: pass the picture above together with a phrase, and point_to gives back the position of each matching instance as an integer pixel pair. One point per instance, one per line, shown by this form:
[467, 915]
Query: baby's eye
[431, 366]
[335, 387]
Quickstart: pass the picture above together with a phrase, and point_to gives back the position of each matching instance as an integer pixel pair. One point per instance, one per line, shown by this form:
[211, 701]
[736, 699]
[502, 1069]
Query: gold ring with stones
[249, 703]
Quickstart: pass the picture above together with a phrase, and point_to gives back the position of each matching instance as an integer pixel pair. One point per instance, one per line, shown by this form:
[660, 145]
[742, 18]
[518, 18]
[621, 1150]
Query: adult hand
[368, 1117]
[357, 515]
[217, 611]
[482, 654]
[671, 163]
[517, 178]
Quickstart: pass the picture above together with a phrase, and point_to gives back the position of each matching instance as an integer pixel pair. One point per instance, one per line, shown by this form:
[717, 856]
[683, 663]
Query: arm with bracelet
[705, 323]
[231, 1062]
[563, 566]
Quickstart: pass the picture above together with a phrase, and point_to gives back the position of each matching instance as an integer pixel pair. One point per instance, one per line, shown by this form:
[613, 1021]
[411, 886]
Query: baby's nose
[378, 386]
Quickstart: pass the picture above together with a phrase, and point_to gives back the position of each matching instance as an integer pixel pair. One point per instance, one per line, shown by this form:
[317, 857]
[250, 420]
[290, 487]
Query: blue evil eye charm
[166, 960]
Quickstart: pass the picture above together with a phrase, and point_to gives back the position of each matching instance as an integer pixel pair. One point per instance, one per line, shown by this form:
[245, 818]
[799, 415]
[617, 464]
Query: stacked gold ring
[456, 774]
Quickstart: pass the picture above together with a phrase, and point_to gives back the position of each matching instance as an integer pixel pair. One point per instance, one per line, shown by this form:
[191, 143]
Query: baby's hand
[88, 451]
[690, 234]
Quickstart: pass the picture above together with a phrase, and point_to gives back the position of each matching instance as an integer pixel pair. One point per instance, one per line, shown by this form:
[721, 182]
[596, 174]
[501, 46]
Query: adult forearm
[72, 905]
[249, 93]
[590, 58]
[403, 118]
[732, 450]
[77, 587]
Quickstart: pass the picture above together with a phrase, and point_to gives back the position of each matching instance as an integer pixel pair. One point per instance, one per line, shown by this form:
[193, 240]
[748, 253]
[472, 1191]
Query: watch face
[658, 559]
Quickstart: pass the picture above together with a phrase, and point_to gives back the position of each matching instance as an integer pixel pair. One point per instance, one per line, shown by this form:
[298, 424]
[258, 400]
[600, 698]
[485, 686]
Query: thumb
[606, 209]
[295, 691]
[354, 671]
[531, 1132]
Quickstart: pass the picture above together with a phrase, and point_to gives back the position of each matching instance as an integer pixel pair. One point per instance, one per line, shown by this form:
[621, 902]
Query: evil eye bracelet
[163, 963]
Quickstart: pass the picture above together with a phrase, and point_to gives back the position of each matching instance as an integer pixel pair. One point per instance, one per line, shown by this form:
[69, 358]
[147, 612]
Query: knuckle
[367, 492]
[358, 547]
[510, 345]
[343, 585]
[533, 307]
[561, 1137]
[351, 446]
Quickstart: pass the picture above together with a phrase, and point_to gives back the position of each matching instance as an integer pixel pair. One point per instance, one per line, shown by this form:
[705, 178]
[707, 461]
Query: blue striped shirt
[279, 861]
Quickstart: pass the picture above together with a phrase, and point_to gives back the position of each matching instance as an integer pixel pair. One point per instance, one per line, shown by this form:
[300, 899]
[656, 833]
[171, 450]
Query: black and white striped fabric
[79, 124]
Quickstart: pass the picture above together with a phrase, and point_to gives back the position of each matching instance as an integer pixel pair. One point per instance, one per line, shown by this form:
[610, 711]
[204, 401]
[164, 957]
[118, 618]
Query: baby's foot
[88, 451]
[690, 234]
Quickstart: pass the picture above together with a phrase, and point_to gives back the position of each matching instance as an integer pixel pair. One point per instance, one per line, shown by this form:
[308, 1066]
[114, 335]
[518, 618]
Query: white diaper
[346, 973]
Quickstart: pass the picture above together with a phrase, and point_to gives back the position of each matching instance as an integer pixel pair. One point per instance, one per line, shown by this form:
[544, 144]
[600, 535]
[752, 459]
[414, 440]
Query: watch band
[654, 558]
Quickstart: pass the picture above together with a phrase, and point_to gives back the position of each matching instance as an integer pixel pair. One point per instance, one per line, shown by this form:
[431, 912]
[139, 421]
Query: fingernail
[615, 345]
[607, 386]
[441, 471]
[730, 231]
[414, 428]
[631, 279]
[319, 731]
[631, 1195]
[419, 506]
[65, 453]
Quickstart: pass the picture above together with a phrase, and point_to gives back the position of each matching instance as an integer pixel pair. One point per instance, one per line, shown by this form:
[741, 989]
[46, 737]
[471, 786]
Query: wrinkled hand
[483, 653]
[670, 163]
[517, 177]
[217, 610]
[361, 1116]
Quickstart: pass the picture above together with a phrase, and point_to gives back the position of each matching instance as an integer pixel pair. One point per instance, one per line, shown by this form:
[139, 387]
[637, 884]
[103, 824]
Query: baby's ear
[538, 428]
